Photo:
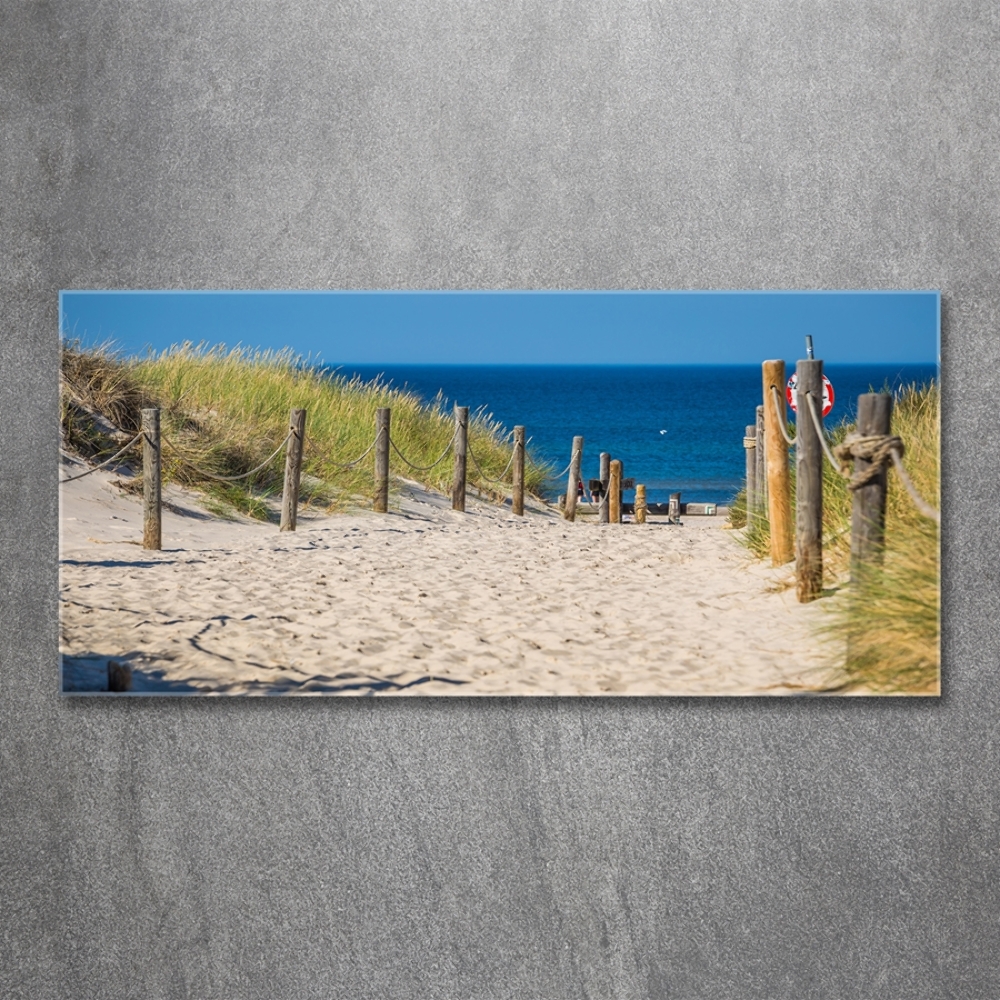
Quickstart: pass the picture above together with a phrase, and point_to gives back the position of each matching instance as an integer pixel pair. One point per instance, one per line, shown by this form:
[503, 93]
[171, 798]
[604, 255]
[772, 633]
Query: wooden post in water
[615, 492]
[383, 423]
[750, 444]
[152, 500]
[605, 474]
[461, 457]
[569, 510]
[808, 483]
[779, 504]
[868, 509]
[293, 470]
[761, 477]
[517, 490]
[640, 503]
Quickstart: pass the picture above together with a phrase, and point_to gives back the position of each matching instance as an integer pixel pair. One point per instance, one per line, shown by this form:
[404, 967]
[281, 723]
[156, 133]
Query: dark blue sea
[674, 427]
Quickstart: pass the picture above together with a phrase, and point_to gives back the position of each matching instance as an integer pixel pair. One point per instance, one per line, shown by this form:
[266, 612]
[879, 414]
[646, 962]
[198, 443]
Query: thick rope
[503, 474]
[423, 468]
[780, 420]
[107, 461]
[559, 475]
[361, 457]
[918, 501]
[874, 448]
[227, 479]
[879, 449]
[818, 423]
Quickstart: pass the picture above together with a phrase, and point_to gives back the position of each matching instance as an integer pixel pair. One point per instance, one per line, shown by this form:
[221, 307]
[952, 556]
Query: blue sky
[520, 327]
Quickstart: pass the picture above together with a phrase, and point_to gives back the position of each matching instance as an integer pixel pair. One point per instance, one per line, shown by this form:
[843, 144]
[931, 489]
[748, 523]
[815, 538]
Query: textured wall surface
[509, 848]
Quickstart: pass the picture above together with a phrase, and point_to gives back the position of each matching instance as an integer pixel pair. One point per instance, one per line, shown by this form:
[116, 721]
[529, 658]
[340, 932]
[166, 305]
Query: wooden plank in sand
[152, 501]
[868, 505]
[383, 421]
[293, 470]
[779, 485]
[605, 473]
[615, 492]
[761, 474]
[461, 458]
[808, 483]
[750, 444]
[517, 488]
[575, 459]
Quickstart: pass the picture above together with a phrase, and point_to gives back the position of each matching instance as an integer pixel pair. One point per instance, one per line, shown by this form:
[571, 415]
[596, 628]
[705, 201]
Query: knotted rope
[880, 449]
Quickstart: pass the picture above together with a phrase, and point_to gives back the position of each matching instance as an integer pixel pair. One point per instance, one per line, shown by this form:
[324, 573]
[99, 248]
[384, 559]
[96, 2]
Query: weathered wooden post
[383, 422]
[615, 492]
[868, 508]
[750, 445]
[569, 510]
[605, 474]
[461, 459]
[152, 499]
[517, 490]
[674, 509]
[640, 503]
[761, 476]
[779, 505]
[293, 470]
[808, 483]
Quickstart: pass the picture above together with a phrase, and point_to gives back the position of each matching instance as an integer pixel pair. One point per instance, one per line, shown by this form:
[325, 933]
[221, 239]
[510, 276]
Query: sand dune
[422, 601]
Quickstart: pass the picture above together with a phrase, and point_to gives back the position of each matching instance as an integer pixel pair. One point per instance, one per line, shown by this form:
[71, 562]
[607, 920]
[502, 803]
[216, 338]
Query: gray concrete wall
[552, 849]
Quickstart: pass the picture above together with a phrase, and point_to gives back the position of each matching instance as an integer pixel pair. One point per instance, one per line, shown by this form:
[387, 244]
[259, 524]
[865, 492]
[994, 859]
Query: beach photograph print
[585, 493]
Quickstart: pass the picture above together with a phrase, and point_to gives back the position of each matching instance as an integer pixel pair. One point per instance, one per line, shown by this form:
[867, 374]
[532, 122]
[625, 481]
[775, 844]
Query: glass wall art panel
[477, 493]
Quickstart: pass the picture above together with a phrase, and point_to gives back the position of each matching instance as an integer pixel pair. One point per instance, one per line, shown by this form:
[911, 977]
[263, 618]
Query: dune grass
[225, 411]
[889, 619]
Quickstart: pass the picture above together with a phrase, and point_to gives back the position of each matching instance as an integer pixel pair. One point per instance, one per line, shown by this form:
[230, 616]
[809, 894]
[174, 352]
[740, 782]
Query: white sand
[423, 601]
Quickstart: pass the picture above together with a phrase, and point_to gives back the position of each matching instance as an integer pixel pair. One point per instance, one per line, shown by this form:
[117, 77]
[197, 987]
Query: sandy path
[423, 601]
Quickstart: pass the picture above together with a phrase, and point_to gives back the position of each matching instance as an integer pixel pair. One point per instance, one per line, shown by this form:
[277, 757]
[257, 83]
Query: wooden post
[615, 492]
[761, 477]
[808, 484]
[293, 470]
[605, 474]
[640, 503]
[461, 457]
[868, 509]
[517, 491]
[152, 500]
[119, 676]
[569, 511]
[383, 421]
[779, 505]
[750, 444]
[674, 509]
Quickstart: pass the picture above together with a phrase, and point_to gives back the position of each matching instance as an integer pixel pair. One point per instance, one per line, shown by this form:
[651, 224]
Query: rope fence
[423, 468]
[226, 479]
[106, 462]
[503, 475]
[876, 449]
[862, 458]
[458, 445]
